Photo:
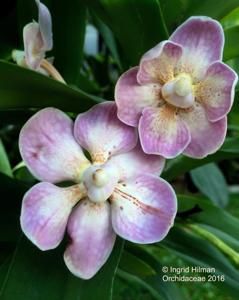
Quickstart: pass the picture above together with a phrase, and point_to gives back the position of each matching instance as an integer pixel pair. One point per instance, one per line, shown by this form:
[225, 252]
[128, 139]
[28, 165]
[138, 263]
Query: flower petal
[163, 132]
[131, 97]
[158, 64]
[92, 238]
[49, 149]
[45, 25]
[206, 137]
[102, 191]
[202, 40]
[101, 133]
[216, 91]
[33, 45]
[136, 161]
[45, 211]
[143, 209]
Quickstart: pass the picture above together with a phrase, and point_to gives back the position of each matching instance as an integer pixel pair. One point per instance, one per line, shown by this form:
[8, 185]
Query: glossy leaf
[209, 214]
[38, 275]
[69, 22]
[215, 8]
[109, 40]
[175, 12]
[210, 180]
[5, 167]
[231, 50]
[158, 288]
[138, 25]
[135, 265]
[12, 192]
[135, 279]
[197, 251]
[182, 164]
[24, 89]
[231, 19]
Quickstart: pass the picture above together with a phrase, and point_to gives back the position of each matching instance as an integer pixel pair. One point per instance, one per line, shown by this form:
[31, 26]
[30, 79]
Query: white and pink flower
[37, 40]
[180, 94]
[116, 191]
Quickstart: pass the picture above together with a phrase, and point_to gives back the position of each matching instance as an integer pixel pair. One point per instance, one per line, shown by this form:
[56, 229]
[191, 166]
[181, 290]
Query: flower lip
[179, 91]
[100, 177]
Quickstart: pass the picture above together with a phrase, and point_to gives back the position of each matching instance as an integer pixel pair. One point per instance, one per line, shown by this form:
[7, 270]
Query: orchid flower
[37, 38]
[118, 191]
[180, 94]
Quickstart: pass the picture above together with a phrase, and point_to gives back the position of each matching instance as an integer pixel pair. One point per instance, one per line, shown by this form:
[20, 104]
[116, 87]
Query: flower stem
[52, 71]
[217, 242]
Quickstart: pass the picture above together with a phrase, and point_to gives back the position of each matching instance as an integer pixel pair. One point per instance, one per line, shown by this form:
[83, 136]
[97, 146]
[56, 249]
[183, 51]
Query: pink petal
[45, 25]
[163, 132]
[131, 97]
[136, 161]
[49, 149]
[202, 40]
[92, 238]
[216, 91]
[158, 64]
[33, 45]
[100, 193]
[206, 137]
[45, 211]
[101, 133]
[143, 209]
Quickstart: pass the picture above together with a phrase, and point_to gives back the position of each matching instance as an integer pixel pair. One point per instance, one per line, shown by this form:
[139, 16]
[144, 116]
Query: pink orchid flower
[117, 192]
[180, 94]
[37, 38]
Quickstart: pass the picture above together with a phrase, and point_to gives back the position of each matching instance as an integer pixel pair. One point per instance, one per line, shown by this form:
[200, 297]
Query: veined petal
[45, 211]
[206, 137]
[163, 132]
[48, 147]
[158, 64]
[131, 97]
[137, 162]
[45, 25]
[202, 40]
[33, 45]
[216, 91]
[101, 133]
[100, 181]
[92, 238]
[143, 209]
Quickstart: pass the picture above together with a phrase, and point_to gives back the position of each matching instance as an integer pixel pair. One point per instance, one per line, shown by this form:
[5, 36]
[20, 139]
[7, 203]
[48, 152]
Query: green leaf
[231, 20]
[23, 89]
[153, 283]
[10, 205]
[231, 50]
[38, 275]
[210, 180]
[138, 25]
[209, 214]
[216, 9]
[197, 251]
[69, 22]
[135, 265]
[183, 164]
[175, 12]
[5, 167]
[109, 40]
[135, 279]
